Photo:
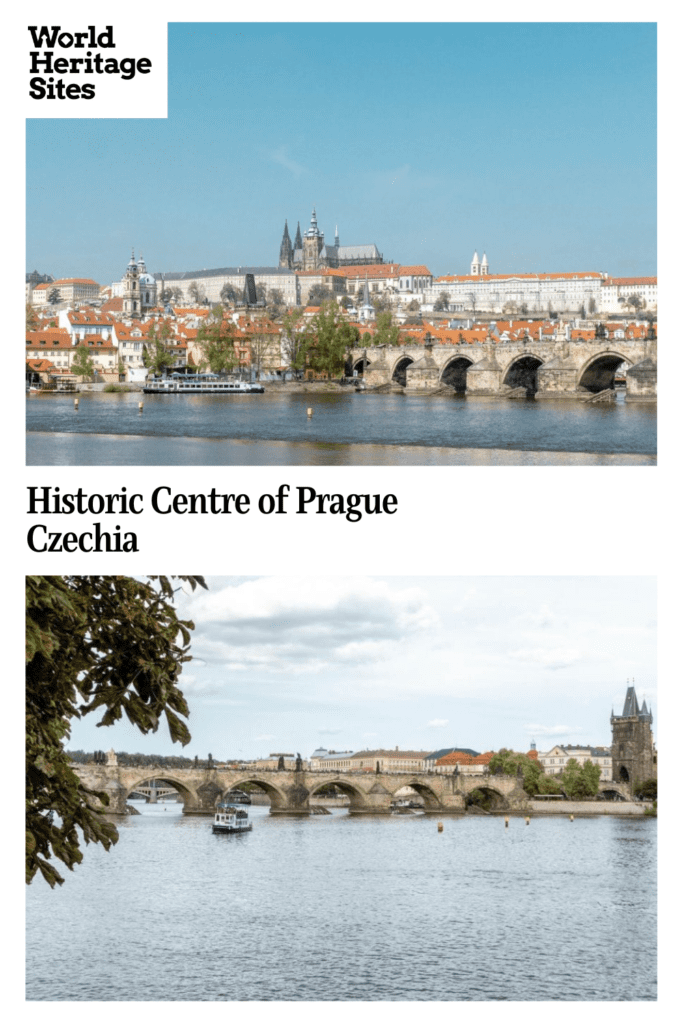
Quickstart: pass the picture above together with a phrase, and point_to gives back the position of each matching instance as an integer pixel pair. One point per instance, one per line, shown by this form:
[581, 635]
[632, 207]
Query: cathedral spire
[286, 251]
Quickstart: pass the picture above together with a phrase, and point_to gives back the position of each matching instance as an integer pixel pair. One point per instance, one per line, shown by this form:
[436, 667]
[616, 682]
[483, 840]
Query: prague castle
[311, 253]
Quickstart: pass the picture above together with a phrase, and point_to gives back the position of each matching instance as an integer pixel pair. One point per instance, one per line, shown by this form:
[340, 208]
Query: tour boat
[199, 384]
[231, 819]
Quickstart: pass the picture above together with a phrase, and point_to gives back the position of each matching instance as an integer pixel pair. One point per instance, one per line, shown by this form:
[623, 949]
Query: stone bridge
[290, 791]
[515, 369]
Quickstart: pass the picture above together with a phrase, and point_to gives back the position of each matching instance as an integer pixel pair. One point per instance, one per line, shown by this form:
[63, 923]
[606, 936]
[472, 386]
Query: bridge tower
[634, 758]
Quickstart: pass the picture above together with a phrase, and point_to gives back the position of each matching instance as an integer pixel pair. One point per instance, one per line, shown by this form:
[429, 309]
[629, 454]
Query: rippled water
[344, 907]
[345, 429]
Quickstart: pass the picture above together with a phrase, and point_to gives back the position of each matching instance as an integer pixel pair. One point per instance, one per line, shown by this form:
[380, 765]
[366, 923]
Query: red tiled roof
[417, 271]
[474, 278]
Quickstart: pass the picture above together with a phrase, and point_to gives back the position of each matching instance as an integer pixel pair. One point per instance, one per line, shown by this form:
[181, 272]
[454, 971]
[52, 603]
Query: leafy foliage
[217, 340]
[646, 790]
[580, 780]
[507, 762]
[82, 364]
[155, 354]
[326, 339]
[387, 332]
[108, 644]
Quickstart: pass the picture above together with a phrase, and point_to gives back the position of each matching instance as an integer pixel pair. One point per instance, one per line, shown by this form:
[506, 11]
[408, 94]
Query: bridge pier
[485, 377]
[641, 381]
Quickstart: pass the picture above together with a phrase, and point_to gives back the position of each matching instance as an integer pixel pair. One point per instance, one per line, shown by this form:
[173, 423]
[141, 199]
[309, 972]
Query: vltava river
[345, 429]
[343, 907]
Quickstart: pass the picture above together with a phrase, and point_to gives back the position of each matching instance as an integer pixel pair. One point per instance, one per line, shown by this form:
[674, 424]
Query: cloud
[281, 156]
[553, 658]
[281, 624]
[552, 730]
[437, 723]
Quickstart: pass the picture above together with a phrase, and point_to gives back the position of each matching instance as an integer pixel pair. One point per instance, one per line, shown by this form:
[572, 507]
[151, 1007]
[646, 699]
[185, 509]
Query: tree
[580, 781]
[383, 302]
[31, 318]
[387, 332]
[507, 762]
[217, 341]
[413, 305]
[229, 293]
[108, 644]
[294, 340]
[592, 305]
[275, 301]
[82, 364]
[327, 337]
[197, 292]
[54, 296]
[155, 354]
[442, 303]
[635, 302]
[646, 790]
[319, 294]
[582, 312]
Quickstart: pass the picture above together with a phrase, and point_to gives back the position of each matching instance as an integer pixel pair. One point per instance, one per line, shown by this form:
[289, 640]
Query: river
[345, 429]
[345, 907]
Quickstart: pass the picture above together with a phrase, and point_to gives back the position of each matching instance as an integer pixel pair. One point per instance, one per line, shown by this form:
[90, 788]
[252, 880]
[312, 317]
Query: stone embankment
[589, 807]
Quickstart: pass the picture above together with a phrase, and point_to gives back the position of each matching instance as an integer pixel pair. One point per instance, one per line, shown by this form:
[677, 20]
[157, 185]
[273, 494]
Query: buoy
[309, 412]
[75, 403]
[141, 406]
[528, 819]
[507, 822]
[571, 817]
[440, 826]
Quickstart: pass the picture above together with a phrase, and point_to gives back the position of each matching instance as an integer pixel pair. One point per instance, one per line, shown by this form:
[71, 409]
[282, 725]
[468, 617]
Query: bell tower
[634, 758]
[313, 243]
[131, 290]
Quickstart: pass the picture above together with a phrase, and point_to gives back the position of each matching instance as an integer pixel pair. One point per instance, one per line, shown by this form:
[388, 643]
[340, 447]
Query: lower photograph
[341, 788]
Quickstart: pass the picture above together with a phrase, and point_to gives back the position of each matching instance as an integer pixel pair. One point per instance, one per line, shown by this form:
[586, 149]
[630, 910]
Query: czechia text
[40, 540]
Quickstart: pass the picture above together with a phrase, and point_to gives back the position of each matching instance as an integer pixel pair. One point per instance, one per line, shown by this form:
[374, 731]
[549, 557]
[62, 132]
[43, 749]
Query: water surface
[343, 907]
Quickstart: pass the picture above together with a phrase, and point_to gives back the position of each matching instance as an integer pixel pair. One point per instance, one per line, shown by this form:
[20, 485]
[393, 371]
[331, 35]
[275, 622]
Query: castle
[634, 757]
[311, 253]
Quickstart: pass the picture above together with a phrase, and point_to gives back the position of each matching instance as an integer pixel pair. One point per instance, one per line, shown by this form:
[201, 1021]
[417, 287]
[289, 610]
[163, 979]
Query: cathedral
[634, 758]
[311, 253]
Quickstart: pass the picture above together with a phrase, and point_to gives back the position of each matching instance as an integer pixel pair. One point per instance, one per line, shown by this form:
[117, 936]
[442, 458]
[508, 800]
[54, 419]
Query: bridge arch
[522, 372]
[399, 372]
[431, 800]
[188, 795]
[357, 801]
[278, 799]
[454, 373]
[491, 798]
[598, 372]
[359, 365]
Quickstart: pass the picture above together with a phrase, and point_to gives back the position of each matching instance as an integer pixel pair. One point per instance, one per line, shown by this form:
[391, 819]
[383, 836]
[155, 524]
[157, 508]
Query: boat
[200, 384]
[230, 819]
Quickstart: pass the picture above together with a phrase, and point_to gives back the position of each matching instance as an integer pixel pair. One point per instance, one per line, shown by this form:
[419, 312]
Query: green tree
[387, 332]
[216, 337]
[580, 780]
[82, 364]
[327, 337]
[54, 296]
[507, 762]
[108, 644]
[31, 318]
[294, 340]
[155, 354]
[646, 790]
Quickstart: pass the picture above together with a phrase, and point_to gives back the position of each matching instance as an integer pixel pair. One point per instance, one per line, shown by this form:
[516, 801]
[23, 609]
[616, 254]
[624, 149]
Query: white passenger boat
[199, 384]
[231, 819]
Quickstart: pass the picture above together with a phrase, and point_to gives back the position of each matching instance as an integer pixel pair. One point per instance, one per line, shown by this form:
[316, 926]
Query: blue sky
[533, 142]
[292, 663]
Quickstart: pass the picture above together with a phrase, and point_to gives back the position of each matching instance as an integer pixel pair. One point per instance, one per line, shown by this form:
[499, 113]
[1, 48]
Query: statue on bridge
[299, 766]
[280, 763]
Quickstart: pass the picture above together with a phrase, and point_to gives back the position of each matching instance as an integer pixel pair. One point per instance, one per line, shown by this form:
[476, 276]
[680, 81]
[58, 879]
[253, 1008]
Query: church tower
[298, 244]
[475, 269]
[131, 290]
[313, 243]
[484, 269]
[286, 251]
[634, 758]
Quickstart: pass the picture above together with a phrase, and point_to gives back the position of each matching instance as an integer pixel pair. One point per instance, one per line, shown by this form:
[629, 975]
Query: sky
[535, 143]
[289, 664]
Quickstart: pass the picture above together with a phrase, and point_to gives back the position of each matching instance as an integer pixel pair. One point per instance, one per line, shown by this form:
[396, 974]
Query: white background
[535, 520]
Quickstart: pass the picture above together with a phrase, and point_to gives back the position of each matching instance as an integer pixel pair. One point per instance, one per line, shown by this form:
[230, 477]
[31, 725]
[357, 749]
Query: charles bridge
[290, 791]
[545, 368]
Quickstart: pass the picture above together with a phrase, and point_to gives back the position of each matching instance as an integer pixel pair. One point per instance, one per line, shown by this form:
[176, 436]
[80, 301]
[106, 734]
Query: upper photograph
[353, 244]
